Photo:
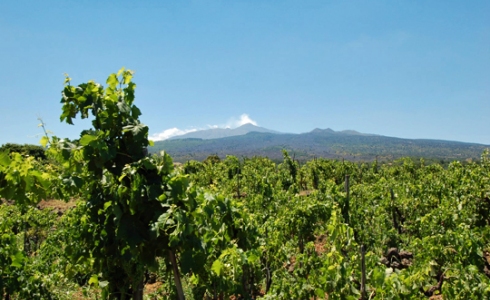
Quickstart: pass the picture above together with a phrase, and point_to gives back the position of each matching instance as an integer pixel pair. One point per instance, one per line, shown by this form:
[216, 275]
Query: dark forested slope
[327, 143]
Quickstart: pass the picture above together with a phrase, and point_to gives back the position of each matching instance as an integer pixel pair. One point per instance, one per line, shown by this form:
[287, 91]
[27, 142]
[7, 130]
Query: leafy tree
[26, 149]
[126, 192]
[212, 159]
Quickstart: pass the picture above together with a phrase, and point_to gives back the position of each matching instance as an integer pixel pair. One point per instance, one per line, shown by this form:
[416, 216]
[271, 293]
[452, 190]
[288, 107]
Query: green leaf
[194, 279]
[94, 279]
[103, 284]
[4, 159]
[112, 81]
[86, 139]
[67, 79]
[17, 260]
[120, 71]
[107, 204]
[135, 112]
[44, 141]
[123, 107]
[320, 293]
[127, 76]
[217, 267]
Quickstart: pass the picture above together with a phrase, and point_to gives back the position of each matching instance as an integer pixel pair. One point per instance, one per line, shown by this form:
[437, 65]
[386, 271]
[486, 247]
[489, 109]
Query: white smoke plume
[168, 133]
[244, 119]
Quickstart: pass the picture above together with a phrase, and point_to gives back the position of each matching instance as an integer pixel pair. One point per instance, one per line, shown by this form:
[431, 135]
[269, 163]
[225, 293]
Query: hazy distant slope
[326, 143]
[217, 133]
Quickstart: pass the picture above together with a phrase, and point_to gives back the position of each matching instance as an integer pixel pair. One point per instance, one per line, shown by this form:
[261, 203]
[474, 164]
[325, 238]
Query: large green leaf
[87, 139]
[18, 260]
[4, 159]
[217, 267]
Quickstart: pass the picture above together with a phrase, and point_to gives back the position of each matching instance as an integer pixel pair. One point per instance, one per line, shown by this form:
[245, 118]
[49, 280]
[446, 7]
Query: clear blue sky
[410, 69]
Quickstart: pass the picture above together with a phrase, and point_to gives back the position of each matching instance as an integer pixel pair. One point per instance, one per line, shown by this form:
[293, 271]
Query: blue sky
[410, 69]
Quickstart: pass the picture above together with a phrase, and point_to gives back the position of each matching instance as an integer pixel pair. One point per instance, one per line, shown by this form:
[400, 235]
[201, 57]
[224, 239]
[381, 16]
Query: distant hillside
[327, 143]
[217, 133]
[342, 132]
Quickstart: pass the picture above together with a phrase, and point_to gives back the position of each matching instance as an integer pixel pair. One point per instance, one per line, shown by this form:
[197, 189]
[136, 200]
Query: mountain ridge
[326, 143]
[216, 133]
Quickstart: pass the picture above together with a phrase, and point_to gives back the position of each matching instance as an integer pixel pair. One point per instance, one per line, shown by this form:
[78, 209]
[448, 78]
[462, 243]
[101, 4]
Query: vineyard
[138, 226]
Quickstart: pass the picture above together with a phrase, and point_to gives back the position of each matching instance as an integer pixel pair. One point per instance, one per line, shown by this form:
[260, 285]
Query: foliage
[27, 150]
[24, 179]
[233, 227]
[22, 232]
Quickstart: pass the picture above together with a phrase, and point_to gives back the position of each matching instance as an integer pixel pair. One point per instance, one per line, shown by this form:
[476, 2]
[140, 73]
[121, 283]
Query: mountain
[217, 133]
[327, 143]
[343, 132]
